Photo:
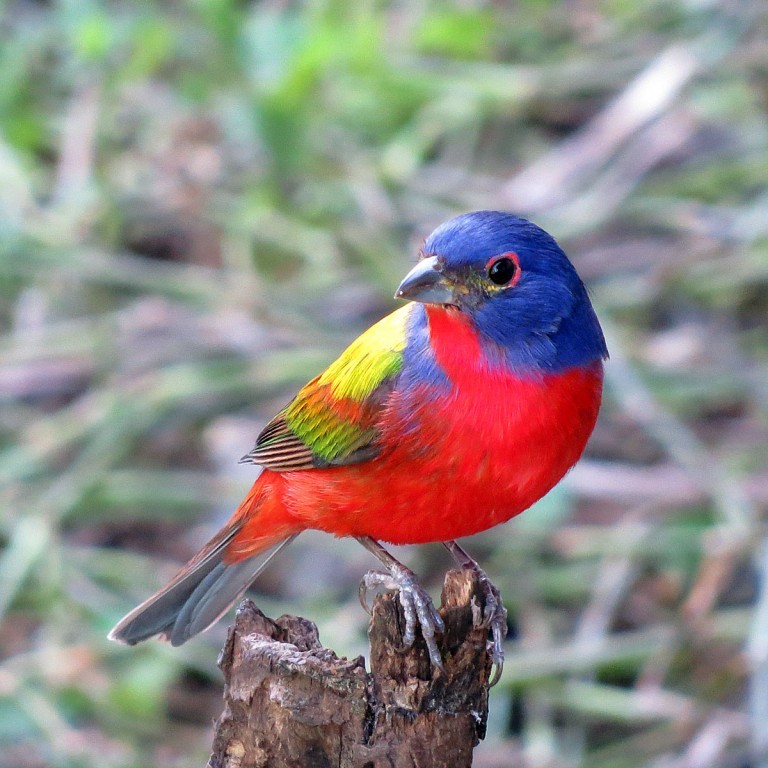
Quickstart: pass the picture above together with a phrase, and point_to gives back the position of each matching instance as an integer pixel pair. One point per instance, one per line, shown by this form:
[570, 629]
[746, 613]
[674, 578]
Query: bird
[451, 415]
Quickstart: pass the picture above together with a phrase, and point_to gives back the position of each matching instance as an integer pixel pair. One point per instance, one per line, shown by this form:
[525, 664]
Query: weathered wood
[290, 703]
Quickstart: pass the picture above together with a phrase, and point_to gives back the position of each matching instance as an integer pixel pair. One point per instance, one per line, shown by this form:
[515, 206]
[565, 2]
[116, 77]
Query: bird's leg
[418, 607]
[494, 613]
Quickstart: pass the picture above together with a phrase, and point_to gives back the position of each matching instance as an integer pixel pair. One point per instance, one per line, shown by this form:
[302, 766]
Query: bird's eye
[502, 271]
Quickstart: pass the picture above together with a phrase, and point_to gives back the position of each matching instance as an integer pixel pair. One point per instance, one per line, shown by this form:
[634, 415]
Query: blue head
[518, 286]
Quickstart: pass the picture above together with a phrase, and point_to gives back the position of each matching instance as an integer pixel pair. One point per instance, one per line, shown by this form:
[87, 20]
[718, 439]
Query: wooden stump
[290, 703]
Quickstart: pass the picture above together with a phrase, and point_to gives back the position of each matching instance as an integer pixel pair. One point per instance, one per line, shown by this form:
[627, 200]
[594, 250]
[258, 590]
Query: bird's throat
[455, 342]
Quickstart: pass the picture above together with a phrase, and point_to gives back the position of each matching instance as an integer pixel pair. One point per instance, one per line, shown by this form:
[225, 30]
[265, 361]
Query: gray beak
[427, 284]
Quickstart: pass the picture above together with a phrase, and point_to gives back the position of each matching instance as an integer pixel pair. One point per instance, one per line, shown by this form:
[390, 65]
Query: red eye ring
[504, 270]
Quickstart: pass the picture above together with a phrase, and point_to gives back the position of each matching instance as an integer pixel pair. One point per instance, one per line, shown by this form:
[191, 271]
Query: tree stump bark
[290, 703]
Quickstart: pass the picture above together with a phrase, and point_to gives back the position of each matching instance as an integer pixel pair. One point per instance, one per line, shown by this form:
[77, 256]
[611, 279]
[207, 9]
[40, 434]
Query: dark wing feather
[278, 448]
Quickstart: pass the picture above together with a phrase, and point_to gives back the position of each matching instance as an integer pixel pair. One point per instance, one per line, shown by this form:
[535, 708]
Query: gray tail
[200, 593]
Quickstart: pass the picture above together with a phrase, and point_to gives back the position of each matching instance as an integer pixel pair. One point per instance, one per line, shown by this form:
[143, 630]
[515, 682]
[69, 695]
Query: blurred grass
[201, 202]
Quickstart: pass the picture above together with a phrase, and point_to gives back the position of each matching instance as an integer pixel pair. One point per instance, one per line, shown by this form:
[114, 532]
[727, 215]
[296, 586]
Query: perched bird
[451, 415]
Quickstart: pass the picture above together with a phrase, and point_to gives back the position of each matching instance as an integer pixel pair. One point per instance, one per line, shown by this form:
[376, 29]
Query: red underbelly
[472, 463]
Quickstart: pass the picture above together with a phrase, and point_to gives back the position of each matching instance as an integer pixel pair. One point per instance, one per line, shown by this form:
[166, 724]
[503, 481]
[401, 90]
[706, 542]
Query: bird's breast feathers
[460, 400]
[461, 444]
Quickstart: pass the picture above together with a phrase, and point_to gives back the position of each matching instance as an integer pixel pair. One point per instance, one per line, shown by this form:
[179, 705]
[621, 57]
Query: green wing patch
[332, 420]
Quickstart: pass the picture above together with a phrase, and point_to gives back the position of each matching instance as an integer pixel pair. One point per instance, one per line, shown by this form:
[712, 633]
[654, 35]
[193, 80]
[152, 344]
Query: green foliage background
[201, 202]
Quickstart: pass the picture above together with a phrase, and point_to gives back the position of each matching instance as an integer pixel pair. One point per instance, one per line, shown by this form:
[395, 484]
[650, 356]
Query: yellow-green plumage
[373, 357]
[332, 419]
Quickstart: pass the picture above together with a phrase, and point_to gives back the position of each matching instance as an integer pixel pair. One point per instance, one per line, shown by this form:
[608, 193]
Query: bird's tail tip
[200, 593]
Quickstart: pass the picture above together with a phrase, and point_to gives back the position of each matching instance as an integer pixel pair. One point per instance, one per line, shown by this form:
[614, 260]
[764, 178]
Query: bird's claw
[371, 579]
[494, 617]
[417, 605]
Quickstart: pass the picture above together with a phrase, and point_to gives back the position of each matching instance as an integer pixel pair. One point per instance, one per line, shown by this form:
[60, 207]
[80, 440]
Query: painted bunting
[451, 415]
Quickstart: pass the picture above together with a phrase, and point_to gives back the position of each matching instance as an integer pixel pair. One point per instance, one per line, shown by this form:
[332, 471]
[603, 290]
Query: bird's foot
[417, 605]
[494, 618]
[494, 615]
